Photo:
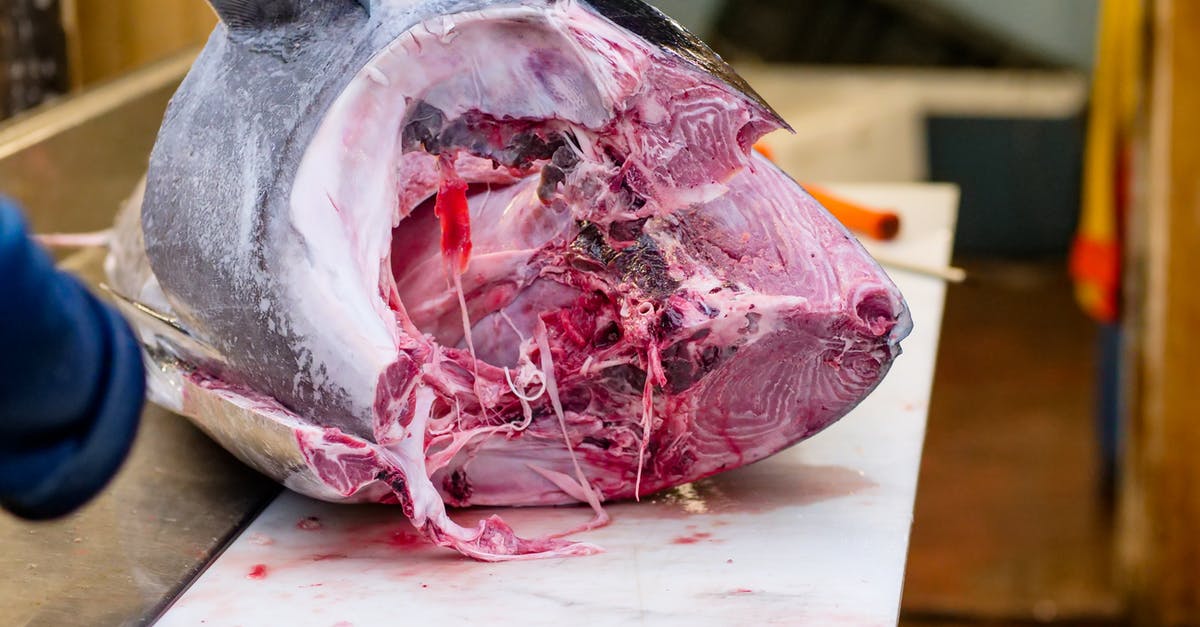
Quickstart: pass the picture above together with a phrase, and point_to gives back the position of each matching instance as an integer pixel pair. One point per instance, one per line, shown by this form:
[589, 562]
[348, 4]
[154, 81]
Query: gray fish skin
[225, 158]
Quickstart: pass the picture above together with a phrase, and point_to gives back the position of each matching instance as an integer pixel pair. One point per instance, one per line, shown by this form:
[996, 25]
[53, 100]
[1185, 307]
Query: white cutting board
[816, 535]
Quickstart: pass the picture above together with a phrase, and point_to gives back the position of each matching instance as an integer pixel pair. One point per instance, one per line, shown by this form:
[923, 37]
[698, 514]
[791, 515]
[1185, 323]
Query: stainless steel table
[180, 497]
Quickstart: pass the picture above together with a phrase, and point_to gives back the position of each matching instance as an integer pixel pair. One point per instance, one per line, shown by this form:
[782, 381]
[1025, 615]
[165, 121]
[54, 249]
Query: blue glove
[71, 382]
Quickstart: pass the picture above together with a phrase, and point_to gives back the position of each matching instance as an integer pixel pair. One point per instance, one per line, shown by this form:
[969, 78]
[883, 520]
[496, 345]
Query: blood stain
[321, 557]
[312, 523]
[743, 591]
[406, 539]
[258, 571]
[693, 539]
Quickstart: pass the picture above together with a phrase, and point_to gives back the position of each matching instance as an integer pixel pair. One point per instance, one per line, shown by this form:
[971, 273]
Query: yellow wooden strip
[111, 37]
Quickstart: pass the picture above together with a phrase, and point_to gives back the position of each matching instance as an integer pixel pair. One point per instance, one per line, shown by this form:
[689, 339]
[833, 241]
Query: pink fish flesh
[497, 253]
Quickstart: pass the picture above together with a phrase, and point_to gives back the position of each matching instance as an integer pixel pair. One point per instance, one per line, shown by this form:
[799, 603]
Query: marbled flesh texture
[490, 253]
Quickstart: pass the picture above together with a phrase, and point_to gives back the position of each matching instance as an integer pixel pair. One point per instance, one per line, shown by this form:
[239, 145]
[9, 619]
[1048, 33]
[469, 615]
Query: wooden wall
[109, 37]
[1160, 530]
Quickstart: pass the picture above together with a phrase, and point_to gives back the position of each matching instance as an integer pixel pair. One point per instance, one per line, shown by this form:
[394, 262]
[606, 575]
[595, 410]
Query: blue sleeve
[71, 382]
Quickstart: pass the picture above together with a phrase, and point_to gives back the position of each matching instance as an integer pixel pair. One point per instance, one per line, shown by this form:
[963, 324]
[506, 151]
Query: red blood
[312, 523]
[405, 539]
[692, 539]
[743, 591]
[258, 571]
[455, 215]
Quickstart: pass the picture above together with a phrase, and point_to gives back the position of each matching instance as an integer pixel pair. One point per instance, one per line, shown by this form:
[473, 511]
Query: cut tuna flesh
[489, 253]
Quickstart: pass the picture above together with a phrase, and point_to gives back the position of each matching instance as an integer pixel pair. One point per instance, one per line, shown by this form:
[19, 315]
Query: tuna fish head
[489, 253]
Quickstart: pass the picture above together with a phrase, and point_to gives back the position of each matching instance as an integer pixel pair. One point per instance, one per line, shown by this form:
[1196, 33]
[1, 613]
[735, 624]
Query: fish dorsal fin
[254, 14]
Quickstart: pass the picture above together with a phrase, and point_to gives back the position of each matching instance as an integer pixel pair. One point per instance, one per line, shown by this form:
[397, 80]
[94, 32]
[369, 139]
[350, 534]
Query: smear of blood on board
[258, 571]
[692, 539]
[402, 538]
[455, 215]
[312, 523]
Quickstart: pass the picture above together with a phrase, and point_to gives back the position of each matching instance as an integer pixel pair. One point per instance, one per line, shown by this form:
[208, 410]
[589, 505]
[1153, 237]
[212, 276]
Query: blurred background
[1016, 517]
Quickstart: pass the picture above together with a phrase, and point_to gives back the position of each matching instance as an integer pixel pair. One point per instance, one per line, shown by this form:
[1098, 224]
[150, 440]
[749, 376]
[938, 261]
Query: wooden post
[1160, 507]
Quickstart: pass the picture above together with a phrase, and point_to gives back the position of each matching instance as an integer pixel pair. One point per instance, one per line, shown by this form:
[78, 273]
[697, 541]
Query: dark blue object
[71, 382]
[1021, 181]
[1109, 401]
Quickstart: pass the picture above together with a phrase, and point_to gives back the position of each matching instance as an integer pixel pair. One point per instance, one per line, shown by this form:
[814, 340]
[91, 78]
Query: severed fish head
[489, 253]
